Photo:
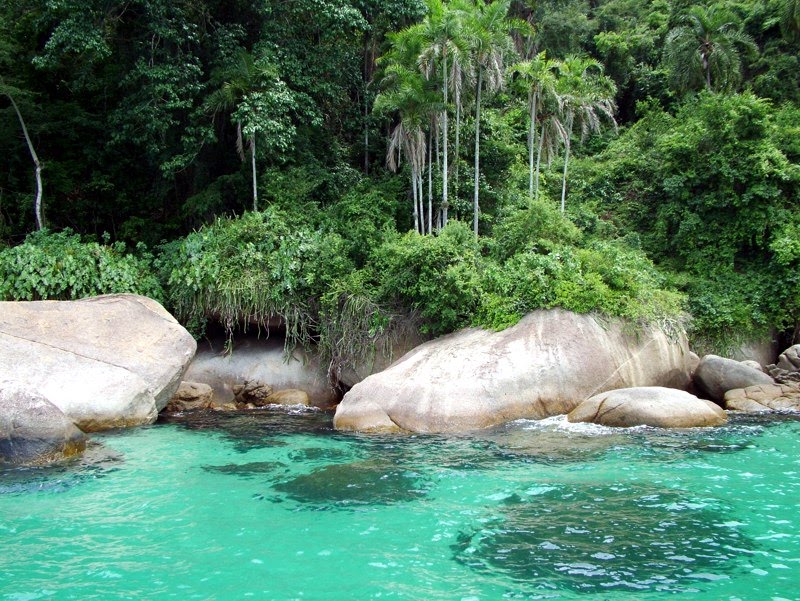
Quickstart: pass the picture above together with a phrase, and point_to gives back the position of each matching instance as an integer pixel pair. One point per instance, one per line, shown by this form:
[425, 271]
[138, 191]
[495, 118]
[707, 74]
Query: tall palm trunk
[475, 207]
[444, 127]
[568, 145]
[414, 198]
[531, 142]
[253, 164]
[458, 155]
[538, 164]
[37, 203]
[430, 181]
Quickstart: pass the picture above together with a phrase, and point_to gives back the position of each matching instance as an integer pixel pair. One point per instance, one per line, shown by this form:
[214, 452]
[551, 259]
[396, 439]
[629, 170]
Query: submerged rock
[106, 362]
[716, 375]
[545, 365]
[33, 431]
[648, 406]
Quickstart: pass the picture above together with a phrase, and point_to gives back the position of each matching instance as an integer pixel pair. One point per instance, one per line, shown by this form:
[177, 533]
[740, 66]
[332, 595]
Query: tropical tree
[407, 94]
[790, 17]
[489, 34]
[538, 78]
[585, 97]
[9, 92]
[441, 56]
[258, 101]
[706, 50]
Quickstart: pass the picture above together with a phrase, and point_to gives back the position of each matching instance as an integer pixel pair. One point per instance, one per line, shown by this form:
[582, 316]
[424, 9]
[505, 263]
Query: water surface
[275, 505]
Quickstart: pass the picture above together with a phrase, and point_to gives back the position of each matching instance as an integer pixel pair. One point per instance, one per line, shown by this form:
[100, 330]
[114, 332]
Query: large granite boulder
[545, 365]
[648, 406]
[259, 365]
[106, 362]
[33, 431]
[764, 397]
[716, 375]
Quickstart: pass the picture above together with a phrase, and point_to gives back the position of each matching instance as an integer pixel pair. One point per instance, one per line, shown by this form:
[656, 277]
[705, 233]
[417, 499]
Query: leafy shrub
[59, 266]
[437, 276]
[249, 269]
[605, 278]
[540, 227]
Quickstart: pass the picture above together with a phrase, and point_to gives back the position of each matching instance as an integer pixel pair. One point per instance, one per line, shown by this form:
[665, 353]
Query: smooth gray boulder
[716, 375]
[545, 365]
[106, 362]
[33, 431]
[648, 406]
[789, 360]
[261, 363]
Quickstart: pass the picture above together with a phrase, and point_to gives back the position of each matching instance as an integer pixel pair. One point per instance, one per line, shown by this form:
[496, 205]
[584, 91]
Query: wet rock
[33, 431]
[290, 396]
[648, 406]
[252, 393]
[190, 396]
[764, 397]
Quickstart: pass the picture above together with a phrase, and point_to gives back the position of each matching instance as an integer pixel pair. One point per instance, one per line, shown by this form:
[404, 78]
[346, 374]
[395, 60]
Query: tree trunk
[445, 204]
[253, 163]
[414, 198]
[430, 181]
[531, 142]
[458, 155]
[37, 203]
[538, 164]
[564, 179]
[475, 206]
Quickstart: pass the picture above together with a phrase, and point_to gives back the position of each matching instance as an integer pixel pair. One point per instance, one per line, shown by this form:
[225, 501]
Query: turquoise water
[270, 505]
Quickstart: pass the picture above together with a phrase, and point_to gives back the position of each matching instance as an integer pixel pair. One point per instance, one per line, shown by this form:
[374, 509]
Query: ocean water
[277, 505]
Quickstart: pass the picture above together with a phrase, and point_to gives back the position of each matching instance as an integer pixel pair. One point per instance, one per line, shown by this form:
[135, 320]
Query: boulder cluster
[74, 367]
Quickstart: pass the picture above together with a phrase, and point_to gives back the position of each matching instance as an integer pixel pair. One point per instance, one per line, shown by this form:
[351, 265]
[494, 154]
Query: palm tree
[9, 92]
[489, 31]
[586, 95]
[441, 54]
[406, 92]
[790, 18]
[705, 50]
[538, 76]
[247, 87]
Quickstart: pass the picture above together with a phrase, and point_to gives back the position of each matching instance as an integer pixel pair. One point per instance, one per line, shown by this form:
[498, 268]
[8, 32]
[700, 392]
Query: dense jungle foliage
[361, 168]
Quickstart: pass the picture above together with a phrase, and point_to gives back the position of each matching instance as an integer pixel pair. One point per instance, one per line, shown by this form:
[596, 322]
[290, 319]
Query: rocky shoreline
[69, 368]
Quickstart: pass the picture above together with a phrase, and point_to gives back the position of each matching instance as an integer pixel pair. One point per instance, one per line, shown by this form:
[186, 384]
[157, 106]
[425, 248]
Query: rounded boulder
[33, 431]
[542, 366]
[648, 406]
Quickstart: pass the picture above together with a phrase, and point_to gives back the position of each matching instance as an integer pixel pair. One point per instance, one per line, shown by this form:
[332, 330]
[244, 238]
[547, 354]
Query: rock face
[33, 431]
[545, 365]
[648, 406]
[765, 397]
[716, 375]
[260, 363]
[106, 362]
[190, 396]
